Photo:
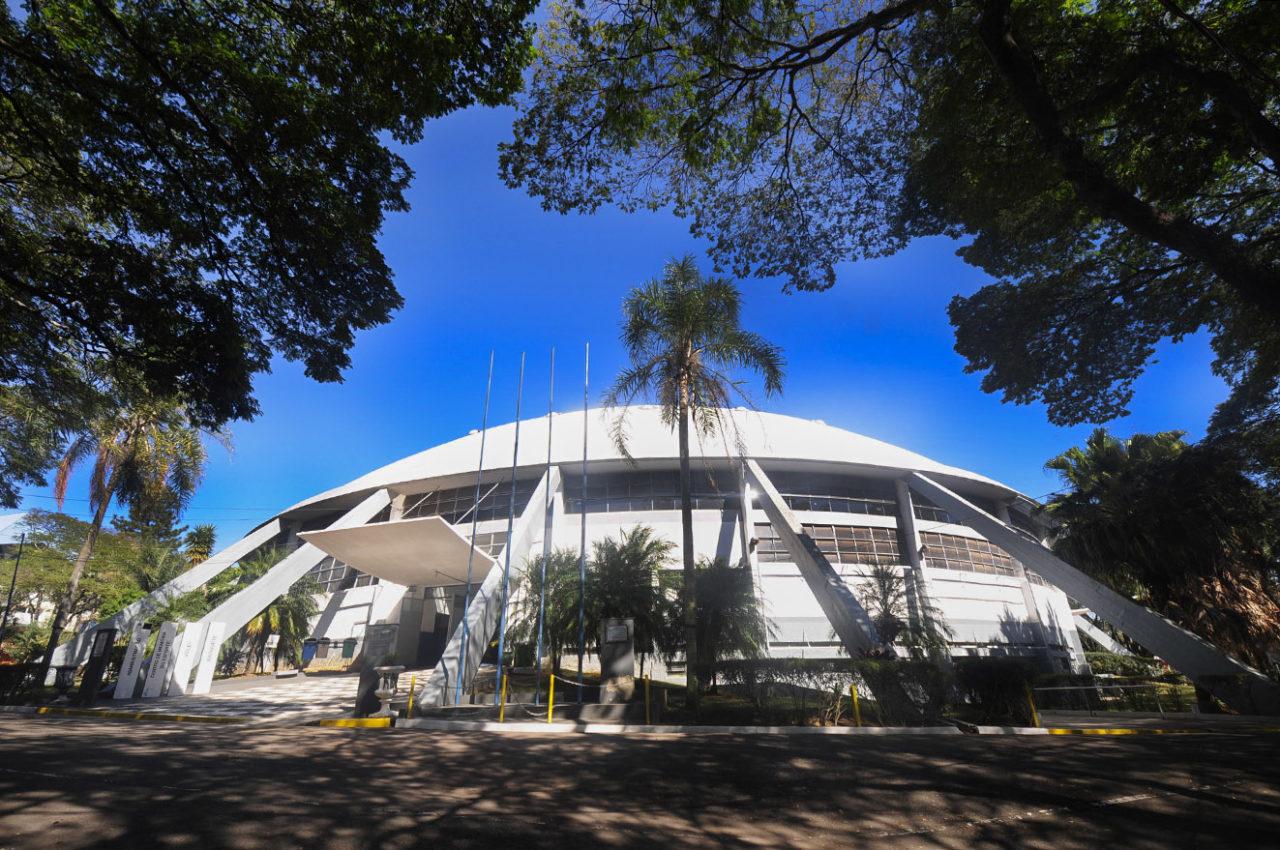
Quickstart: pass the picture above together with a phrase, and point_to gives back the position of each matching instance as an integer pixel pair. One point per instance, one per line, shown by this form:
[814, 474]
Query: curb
[56, 711]
[526, 727]
[1127, 731]
[356, 723]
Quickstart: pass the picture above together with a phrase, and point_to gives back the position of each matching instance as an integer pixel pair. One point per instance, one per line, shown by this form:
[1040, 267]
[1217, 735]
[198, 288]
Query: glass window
[841, 544]
[648, 491]
[950, 552]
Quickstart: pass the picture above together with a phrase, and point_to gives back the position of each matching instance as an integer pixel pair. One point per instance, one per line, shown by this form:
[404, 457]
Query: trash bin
[308, 651]
[349, 648]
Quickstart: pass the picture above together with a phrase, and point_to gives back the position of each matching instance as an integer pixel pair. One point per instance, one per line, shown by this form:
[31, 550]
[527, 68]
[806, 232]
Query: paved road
[72, 783]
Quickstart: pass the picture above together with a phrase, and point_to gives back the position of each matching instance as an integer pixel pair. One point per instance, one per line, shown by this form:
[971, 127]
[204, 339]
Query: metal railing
[1161, 697]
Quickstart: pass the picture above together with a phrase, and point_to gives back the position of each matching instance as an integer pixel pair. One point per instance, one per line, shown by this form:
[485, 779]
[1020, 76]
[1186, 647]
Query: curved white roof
[766, 436]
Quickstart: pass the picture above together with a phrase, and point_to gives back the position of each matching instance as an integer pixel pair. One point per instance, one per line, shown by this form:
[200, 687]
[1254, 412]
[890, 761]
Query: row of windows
[842, 544]
[950, 552]
[805, 491]
[455, 505]
[332, 575]
[648, 491]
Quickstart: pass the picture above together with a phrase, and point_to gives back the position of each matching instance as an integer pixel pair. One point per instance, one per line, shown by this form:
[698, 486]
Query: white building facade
[844, 490]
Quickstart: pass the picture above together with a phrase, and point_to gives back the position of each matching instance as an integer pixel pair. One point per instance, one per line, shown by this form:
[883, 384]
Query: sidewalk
[1083, 721]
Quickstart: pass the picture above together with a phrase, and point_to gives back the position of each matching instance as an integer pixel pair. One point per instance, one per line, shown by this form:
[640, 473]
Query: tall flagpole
[582, 546]
[511, 519]
[475, 515]
[546, 540]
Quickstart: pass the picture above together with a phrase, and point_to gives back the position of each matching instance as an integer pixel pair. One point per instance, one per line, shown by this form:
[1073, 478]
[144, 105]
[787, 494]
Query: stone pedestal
[617, 660]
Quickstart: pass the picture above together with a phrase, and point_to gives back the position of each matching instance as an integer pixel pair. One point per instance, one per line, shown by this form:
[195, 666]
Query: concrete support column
[1235, 683]
[1024, 581]
[485, 608]
[846, 614]
[245, 605]
[76, 650]
[921, 584]
[747, 533]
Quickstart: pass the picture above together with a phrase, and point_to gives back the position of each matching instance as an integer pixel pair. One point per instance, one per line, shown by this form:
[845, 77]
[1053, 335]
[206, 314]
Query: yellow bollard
[1031, 703]
[502, 701]
[857, 709]
[413, 681]
[551, 697]
[647, 716]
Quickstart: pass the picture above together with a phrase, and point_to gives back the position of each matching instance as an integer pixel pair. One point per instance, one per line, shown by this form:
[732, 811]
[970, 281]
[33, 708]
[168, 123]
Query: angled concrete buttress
[245, 605]
[76, 650]
[846, 614]
[1107, 642]
[485, 608]
[1236, 684]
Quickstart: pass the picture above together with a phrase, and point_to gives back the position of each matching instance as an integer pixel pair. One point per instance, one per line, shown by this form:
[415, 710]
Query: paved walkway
[1171, 720]
[81, 784]
[294, 699]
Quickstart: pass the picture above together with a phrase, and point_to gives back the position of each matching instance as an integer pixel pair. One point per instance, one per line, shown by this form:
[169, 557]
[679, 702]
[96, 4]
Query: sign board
[185, 658]
[161, 662]
[209, 657]
[616, 632]
[132, 664]
[273, 641]
[100, 655]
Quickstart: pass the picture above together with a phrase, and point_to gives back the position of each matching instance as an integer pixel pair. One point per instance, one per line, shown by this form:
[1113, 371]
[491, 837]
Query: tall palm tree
[288, 615]
[142, 453]
[683, 337]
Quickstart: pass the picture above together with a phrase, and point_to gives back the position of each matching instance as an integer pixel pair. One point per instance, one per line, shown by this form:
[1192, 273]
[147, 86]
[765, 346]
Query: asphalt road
[73, 783]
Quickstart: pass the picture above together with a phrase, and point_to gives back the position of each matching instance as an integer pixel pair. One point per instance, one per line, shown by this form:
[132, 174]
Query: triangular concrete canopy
[422, 551]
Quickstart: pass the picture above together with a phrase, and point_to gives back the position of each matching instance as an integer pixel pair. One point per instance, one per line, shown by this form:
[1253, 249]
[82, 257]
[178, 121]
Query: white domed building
[806, 507]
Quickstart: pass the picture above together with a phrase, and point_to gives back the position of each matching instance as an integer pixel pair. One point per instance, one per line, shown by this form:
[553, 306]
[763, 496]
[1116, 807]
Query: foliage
[684, 339]
[199, 543]
[144, 453]
[560, 630]
[288, 615]
[190, 188]
[1115, 664]
[731, 623]
[1111, 165]
[1178, 527]
[903, 692]
[884, 595]
[628, 577]
[995, 689]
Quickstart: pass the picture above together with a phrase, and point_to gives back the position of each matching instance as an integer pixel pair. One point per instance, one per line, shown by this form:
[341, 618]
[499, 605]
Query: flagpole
[475, 515]
[511, 519]
[546, 540]
[582, 546]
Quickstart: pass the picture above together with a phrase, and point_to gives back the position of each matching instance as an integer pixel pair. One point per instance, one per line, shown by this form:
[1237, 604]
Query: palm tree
[288, 615]
[560, 628]
[146, 453]
[884, 595]
[683, 338]
[629, 578]
[730, 622]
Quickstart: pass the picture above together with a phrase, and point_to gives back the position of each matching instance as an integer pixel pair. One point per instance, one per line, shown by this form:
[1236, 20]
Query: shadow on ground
[96, 784]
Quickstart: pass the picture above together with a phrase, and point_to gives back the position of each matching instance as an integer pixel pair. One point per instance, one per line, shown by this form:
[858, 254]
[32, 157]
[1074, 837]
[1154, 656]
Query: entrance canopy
[424, 551]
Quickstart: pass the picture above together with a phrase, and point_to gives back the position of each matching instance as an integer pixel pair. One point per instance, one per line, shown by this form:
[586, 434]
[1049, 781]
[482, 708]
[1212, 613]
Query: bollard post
[502, 704]
[647, 716]
[1031, 704]
[551, 697]
[857, 709]
[413, 681]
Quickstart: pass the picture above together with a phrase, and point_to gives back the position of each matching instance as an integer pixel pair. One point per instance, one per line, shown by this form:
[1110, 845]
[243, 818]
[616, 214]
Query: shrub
[1114, 664]
[906, 692]
[994, 690]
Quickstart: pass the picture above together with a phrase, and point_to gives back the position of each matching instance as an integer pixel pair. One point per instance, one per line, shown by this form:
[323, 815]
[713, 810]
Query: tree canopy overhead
[189, 186]
[1112, 164]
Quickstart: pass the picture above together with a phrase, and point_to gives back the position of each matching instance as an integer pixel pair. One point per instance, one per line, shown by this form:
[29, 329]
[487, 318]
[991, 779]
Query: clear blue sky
[481, 267]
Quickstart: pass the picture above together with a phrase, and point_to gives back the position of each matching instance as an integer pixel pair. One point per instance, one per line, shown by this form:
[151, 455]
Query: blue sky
[482, 267]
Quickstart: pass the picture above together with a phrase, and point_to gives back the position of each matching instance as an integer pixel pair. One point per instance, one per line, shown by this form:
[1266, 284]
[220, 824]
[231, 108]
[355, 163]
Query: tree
[884, 596]
[188, 189]
[729, 620]
[684, 340]
[143, 452]
[288, 615]
[1112, 165]
[629, 578]
[199, 544]
[560, 627]
[1179, 528]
